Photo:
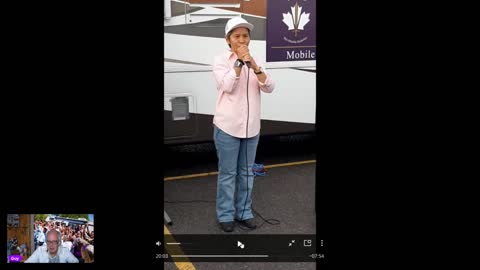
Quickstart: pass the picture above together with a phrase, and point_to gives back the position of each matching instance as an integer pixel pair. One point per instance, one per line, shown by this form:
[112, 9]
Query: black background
[82, 130]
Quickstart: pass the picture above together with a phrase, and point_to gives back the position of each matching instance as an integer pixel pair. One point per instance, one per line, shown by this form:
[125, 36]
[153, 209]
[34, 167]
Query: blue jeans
[232, 175]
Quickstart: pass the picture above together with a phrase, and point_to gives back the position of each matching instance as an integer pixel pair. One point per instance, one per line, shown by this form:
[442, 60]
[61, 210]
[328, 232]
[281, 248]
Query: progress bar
[221, 256]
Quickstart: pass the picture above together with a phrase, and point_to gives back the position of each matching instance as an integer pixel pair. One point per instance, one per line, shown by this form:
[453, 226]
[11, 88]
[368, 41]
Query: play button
[240, 244]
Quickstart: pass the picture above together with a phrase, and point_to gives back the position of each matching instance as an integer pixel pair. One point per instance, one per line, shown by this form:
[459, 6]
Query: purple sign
[14, 258]
[291, 30]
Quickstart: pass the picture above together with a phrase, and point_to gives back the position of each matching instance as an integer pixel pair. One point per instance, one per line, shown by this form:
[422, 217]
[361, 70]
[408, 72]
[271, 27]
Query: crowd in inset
[78, 239]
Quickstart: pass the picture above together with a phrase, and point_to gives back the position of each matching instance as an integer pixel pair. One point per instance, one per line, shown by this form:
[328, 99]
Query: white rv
[195, 26]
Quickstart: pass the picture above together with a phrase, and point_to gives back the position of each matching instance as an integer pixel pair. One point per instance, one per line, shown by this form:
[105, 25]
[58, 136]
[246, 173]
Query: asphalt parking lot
[286, 194]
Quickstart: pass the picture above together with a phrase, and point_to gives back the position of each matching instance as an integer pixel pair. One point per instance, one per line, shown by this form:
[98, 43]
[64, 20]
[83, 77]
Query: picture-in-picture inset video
[50, 238]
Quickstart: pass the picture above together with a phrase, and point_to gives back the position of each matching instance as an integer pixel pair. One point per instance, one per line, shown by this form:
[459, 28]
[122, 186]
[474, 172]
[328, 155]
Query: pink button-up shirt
[231, 107]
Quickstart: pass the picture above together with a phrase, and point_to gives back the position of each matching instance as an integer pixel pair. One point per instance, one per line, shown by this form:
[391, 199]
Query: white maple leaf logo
[293, 21]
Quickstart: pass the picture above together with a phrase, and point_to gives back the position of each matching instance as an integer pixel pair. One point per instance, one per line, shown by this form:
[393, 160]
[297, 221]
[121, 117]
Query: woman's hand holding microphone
[244, 53]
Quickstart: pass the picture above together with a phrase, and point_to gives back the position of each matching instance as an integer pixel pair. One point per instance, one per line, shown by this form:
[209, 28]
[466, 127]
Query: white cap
[237, 22]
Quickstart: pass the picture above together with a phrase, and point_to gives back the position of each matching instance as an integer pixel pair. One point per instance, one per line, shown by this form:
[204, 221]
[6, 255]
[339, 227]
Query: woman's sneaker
[249, 223]
[227, 226]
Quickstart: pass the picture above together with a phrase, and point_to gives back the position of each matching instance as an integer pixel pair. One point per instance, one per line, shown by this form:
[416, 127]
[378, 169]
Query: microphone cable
[269, 221]
[246, 137]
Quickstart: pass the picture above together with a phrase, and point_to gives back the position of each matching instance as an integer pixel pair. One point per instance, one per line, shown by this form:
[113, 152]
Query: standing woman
[237, 124]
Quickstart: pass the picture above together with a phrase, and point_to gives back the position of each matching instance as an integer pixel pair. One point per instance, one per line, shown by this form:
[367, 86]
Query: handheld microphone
[248, 63]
